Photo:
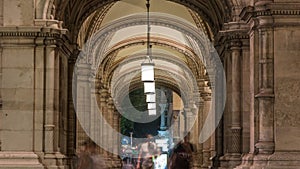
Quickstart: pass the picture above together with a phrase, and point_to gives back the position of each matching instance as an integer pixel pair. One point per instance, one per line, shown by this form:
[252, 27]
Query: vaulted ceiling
[174, 49]
[213, 12]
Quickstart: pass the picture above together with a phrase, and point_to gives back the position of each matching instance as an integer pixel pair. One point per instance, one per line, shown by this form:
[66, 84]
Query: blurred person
[181, 157]
[97, 159]
[148, 151]
[83, 157]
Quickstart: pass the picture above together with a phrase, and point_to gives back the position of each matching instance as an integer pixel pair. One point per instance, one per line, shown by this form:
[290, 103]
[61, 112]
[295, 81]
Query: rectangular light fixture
[147, 72]
[151, 106]
[149, 87]
[152, 112]
[150, 98]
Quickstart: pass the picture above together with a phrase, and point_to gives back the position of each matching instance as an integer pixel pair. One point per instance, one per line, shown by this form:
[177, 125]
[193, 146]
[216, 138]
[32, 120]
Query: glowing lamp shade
[150, 98]
[151, 106]
[149, 87]
[147, 72]
[152, 112]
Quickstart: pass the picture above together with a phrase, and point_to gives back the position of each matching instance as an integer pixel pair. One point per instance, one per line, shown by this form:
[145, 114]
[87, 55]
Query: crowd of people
[180, 157]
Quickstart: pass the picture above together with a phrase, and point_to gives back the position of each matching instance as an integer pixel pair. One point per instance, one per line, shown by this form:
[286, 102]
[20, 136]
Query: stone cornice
[41, 36]
[272, 9]
[235, 30]
[31, 31]
[234, 34]
[26, 34]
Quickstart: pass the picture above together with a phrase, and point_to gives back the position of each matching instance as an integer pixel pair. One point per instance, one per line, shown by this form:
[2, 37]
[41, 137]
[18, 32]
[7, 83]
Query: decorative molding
[29, 34]
[273, 9]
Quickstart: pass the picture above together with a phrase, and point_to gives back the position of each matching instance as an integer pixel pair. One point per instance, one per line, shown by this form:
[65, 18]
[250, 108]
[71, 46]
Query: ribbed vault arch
[110, 62]
[165, 75]
[97, 50]
[74, 13]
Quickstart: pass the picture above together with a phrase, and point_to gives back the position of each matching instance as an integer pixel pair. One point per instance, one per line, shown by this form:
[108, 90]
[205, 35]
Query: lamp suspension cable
[148, 30]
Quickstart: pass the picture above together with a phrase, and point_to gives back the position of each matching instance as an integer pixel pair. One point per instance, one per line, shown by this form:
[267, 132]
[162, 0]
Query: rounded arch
[191, 58]
[212, 61]
[75, 13]
[94, 53]
[176, 76]
[97, 50]
[44, 9]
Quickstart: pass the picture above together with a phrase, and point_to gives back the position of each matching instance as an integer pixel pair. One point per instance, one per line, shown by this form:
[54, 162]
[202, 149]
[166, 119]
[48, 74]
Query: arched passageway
[65, 63]
[115, 69]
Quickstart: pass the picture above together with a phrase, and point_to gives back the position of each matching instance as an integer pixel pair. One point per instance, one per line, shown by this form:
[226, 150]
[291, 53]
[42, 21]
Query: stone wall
[287, 91]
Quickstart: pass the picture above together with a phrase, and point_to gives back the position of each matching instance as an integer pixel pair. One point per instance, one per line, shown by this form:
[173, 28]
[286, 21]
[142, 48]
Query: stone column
[265, 97]
[175, 125]
[265, 51]
[189, 118]
[103, 107]
[21, 129]
[233, 113]
[110, 121]
[198, 109]
[234, 150]
[71, 135]
[49, 113]
[94, 117]
[207, 144]
[116, 138]
[276, 35]
[53, 158]
[83, 97]
[1, 65]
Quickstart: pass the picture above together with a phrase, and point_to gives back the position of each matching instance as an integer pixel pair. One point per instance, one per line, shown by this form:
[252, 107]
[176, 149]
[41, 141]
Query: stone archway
[95, 59]
[258, 45]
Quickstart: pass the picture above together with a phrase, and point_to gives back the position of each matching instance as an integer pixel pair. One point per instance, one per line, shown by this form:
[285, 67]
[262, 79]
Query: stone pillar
[189, 118]
[71, 135]
[262, 46]
[110, 120]
[233, 119]
[104, 108]
[95, 124]
[52, 154]
[93, 108]
[274, 28]
[175, 125]
[21, 129]
[234, 145]
[116, 138]
[265, 97]
[83, 97]
[207, 144]
[29, 92]
[198, 110]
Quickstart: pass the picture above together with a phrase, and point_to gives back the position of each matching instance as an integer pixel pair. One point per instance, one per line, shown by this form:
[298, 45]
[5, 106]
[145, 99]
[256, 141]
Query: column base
[197, 160]
[55, 161]
[206, 159]
[229, 161]
[278, 160]
[247, 161]
[19, 160]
